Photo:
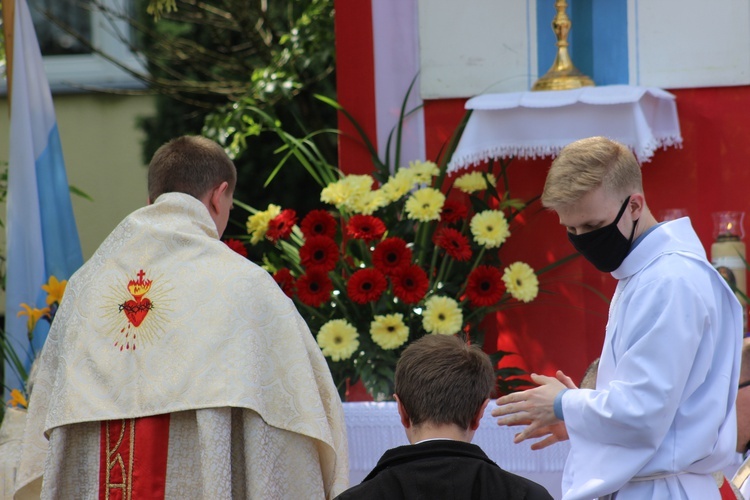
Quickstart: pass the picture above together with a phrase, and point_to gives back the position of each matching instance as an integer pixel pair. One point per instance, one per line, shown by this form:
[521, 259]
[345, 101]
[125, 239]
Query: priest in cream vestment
[176, 368]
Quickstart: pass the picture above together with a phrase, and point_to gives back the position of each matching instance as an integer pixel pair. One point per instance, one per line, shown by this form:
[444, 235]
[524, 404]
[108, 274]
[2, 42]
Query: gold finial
[562, 75]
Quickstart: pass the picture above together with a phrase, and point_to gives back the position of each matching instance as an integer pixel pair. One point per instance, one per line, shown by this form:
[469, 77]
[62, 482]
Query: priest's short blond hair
[586, 164]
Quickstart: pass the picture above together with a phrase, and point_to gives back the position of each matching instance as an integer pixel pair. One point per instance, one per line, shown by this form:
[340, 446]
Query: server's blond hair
[587, 164]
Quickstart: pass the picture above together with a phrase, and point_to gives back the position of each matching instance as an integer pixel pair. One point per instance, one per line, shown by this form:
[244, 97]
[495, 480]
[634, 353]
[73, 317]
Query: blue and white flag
[42, 238]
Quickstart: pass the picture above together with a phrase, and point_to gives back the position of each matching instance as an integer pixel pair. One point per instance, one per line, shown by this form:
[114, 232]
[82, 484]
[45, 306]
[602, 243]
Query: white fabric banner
[396, 47]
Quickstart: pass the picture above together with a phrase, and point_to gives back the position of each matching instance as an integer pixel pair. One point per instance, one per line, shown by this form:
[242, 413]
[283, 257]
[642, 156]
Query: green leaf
[74, 190]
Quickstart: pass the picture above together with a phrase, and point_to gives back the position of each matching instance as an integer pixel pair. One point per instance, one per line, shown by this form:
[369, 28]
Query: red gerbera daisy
[454, 243]
[285, 281]
[318, 223]
[319, 252]
[314, 287]
[390, 255]
[410, 284]
[281, 226]
[453, 211]
[237, 246]
[365, 227]
[485, 286]
[366, 285]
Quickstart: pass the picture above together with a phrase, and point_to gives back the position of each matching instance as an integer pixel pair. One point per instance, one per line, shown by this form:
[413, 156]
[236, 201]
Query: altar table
[538, 124]
[372, 428]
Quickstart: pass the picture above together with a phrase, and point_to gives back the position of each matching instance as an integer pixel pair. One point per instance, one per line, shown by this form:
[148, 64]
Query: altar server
[742, 477]
[662, 417]
[175, 368]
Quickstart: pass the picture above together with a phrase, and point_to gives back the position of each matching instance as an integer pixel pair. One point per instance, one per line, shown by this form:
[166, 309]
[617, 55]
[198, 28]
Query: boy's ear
[478, 417]
[405, 420]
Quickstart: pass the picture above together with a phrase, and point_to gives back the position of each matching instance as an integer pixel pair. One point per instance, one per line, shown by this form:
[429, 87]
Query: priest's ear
[215, 197]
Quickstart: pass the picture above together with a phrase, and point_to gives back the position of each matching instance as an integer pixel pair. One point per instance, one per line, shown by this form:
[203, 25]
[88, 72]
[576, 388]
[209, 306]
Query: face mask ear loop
[632, 233]
[622, 210]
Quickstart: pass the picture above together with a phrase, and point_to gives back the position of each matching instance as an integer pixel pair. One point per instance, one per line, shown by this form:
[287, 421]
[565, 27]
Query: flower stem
[432, 268]
[311, 310]
[421, 237]
[441, 272]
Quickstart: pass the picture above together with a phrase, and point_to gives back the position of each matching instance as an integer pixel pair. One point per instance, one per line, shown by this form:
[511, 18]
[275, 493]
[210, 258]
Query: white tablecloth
[375, 427]
[538, 124]
[372, 428]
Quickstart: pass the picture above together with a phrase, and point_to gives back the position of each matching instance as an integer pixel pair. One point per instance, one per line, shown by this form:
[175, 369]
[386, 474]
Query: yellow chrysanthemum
[442, 315]
[521, 281]
[336, 193]
[474, 181]
[17, 399]
[389, 331]
[55, 290]
[397, 185]
[490, 228]
[423, 171]
[358, 183]
[367, 203]
[257, 224]
[425, 204]
[338, 339]
[34, 315]
[347, 191]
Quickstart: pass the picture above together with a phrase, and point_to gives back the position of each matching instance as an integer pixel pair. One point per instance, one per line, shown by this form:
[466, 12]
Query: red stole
[133, 458]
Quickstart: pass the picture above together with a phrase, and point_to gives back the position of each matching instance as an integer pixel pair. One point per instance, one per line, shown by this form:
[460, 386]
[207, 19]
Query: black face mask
[605, 247]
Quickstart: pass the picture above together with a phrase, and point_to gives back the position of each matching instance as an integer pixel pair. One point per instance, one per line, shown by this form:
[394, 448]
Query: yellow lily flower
[17, 399]
[34, 315]
[55, 290]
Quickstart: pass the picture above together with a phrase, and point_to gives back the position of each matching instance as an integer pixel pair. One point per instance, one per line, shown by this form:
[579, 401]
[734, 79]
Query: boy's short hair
[442, 380]
[587, 164]
[189, 164]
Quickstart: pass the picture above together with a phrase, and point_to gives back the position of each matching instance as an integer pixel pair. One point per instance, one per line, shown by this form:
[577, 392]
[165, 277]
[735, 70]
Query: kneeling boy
[442, 388]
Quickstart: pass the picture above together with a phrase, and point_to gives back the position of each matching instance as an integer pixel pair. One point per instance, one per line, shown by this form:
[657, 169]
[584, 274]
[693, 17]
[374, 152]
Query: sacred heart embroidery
[136, 309]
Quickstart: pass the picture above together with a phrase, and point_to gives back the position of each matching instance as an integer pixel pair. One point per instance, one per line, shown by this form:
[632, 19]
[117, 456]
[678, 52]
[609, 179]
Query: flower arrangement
[55, 289]
[401, 253]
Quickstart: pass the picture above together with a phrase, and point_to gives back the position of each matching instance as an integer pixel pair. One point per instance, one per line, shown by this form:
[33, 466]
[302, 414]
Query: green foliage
[157, 7]
[213, 63]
